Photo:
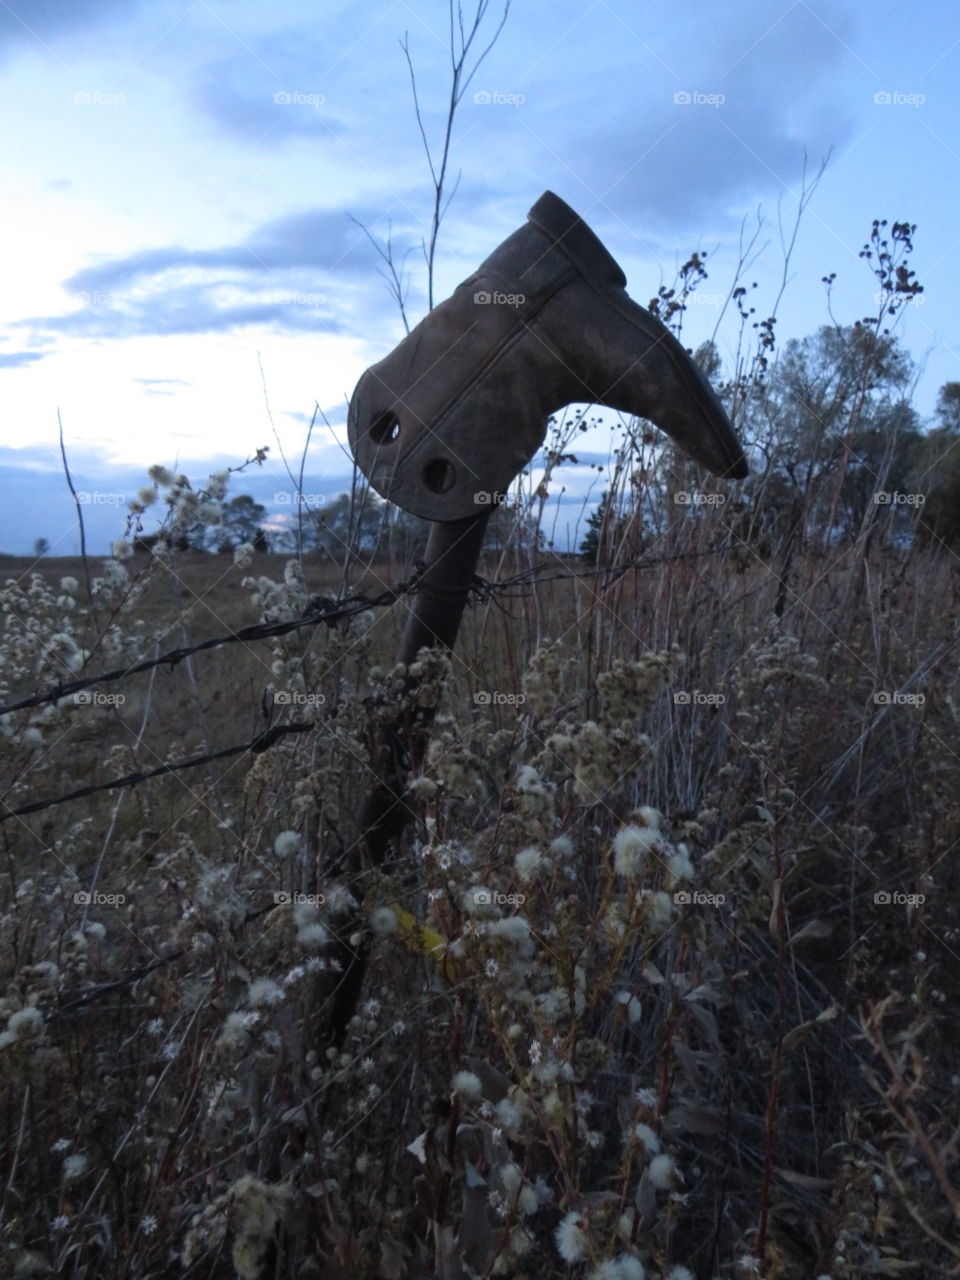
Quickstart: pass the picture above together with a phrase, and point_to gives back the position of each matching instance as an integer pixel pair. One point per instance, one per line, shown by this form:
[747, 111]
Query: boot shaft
[444, 424]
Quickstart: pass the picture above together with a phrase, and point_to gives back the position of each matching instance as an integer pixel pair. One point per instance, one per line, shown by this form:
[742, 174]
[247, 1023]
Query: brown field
[718, 1024]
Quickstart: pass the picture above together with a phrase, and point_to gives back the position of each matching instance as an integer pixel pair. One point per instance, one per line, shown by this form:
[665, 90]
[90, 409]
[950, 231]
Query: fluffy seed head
[571, 1242]
[631, 845]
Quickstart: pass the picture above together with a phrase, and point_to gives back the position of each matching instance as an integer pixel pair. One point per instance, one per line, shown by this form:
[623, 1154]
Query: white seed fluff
[528, 861]
[467, 1084]
[630, 848]
[631, 1268]
[661, 1171]
[383, 922]
[645, 1134]
[571, 1242]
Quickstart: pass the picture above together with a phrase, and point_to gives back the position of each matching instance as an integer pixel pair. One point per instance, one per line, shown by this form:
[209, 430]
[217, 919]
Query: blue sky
[182, 183]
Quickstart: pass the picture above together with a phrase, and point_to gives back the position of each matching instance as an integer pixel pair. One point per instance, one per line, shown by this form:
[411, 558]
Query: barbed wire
[256, 745]
[326, 610]
[86, 995]
[322, 610]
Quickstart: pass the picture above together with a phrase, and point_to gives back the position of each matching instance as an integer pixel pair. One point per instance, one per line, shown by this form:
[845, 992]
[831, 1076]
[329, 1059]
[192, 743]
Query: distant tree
[598, 517]
[350, 524]
[936, 475]
[879, 470]
[242, 521]
[512, 528]
[41, 547]
[177, 541]
[834, 427]
[948, 407]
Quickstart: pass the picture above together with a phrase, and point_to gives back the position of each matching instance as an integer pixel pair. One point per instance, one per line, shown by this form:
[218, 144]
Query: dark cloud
[189, 309]
[248, 100]
[638, 158]
[320, 239]
[41, 22]
[321, 264]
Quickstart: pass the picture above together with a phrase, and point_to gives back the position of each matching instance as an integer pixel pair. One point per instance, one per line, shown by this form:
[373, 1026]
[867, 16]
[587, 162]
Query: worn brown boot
[444, 423]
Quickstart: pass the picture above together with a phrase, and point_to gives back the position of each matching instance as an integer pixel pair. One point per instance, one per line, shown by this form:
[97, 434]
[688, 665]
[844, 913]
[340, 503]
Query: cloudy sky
[185, 271]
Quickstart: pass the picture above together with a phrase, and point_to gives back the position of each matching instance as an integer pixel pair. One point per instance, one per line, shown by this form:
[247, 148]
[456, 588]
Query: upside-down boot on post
[444, 423]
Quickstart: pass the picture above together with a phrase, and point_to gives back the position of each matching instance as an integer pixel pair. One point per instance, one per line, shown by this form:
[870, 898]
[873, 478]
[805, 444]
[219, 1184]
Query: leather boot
[444, 423]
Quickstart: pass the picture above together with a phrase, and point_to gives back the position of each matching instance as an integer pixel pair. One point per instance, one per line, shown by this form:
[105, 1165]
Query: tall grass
[660, 978]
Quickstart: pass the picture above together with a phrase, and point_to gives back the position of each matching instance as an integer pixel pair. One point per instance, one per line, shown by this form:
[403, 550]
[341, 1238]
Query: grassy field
[685, 854]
